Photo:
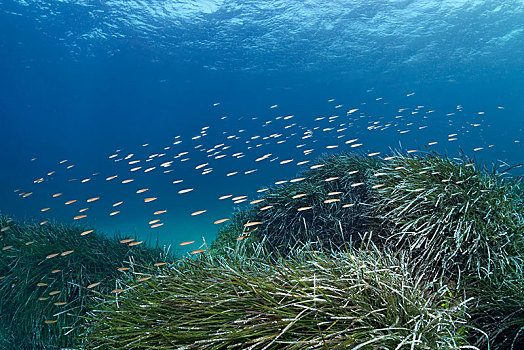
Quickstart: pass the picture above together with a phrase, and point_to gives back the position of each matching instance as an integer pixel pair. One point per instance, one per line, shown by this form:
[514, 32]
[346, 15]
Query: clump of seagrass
[460, 223]
[328, 204]
[229, 233]
[41, 280]
[310, 300]
[464, 224]
[456, 219]
[498, 309]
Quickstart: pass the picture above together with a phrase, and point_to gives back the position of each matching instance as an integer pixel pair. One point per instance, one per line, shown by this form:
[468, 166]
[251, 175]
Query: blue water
[81, 79]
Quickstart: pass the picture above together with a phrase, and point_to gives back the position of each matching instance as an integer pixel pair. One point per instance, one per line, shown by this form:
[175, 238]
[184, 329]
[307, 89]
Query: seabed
[412, 252]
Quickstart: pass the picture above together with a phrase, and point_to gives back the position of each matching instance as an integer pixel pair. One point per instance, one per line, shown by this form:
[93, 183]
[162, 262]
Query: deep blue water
[81, 79]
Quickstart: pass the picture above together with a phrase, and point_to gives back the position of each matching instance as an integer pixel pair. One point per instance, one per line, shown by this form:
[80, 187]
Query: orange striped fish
[254, 223]
[304, 208]
[93, 285]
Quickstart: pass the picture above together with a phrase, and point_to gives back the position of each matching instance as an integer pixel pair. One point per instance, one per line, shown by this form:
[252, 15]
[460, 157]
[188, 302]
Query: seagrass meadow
[358, 252]
[48, 275]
